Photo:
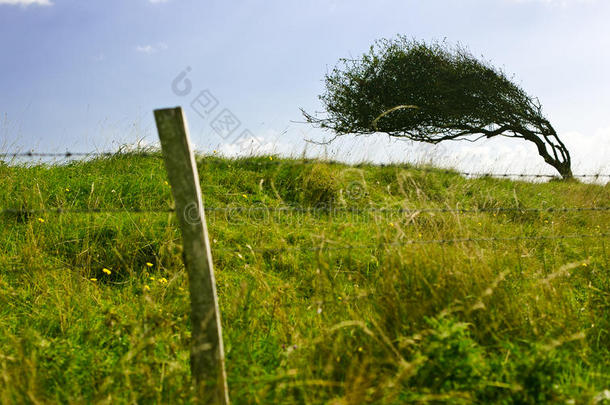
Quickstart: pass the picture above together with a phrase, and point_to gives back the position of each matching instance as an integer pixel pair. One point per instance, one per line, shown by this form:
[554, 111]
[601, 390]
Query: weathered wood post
[207, 351]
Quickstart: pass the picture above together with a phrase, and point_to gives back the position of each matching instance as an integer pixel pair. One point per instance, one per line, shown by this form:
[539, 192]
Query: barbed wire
[69, 154]
[441, 170]
[398, 244]
[549, 176]
[27, 212]
[418, 242]
[317, 303]
[304, 210]
[357, 210]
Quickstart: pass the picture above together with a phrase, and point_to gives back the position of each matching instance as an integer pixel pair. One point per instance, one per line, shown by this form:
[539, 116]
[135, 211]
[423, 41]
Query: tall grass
[318, 305]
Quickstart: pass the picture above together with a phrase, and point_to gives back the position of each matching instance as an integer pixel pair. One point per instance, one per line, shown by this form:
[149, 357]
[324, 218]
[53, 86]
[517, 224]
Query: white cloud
[25, 3]
[265, 142]
[145, 48]
[150, 49]
[589, 151]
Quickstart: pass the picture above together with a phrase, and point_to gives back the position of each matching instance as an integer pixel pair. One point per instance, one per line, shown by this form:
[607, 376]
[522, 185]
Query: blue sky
[83, 75]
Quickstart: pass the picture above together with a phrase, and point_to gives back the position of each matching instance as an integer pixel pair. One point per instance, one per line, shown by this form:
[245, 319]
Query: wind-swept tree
[433, 93]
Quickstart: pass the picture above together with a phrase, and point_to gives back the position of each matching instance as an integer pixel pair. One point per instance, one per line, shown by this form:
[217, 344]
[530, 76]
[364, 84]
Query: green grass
[306, 318]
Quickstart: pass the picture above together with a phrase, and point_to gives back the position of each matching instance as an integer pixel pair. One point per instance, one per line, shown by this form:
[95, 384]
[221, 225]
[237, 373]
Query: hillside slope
[341, 284]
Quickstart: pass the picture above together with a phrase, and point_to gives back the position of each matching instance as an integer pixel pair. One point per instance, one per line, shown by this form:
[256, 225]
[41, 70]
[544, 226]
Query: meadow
[338, 284]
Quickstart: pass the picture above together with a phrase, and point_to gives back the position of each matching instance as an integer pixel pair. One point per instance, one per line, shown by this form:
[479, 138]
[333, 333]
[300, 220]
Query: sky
[86, 75]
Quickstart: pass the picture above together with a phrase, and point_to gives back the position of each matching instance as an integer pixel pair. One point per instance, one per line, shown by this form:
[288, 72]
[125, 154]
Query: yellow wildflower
[149, 264]
[105, 270]
[270, 157]
[146, 288]
[163, 280]
[67, 189]
[41, 220]
[93, 279]
[360, 349]
[245, 196]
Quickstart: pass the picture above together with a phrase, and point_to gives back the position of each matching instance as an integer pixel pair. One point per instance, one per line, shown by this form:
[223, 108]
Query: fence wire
[315, 303]
[66, 155]
[28, 212]
[334, 245]
[69, 154]
[304, 210]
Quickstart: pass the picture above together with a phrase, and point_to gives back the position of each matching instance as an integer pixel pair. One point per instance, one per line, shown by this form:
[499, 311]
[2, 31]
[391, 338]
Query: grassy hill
[337, 284]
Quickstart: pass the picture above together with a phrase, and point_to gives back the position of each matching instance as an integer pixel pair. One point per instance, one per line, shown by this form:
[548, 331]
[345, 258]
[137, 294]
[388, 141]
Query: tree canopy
[432, 93]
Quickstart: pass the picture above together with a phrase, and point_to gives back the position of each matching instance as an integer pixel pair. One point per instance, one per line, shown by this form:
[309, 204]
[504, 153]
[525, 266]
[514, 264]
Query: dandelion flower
[360, 349]
[105, 270]
[149, 264]
[270, 157]
[67, 190]
[146, 288]
[152, 278]
[391, 224]
[166, 183]
[41, 220]
[93, 279]
[245, 196]
[163, 280]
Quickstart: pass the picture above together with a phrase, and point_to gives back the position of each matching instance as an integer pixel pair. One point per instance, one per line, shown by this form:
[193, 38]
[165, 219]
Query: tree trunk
[564, 169]
[559, 157]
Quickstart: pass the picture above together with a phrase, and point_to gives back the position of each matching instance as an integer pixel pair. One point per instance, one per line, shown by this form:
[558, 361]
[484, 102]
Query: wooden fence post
[207, 351]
